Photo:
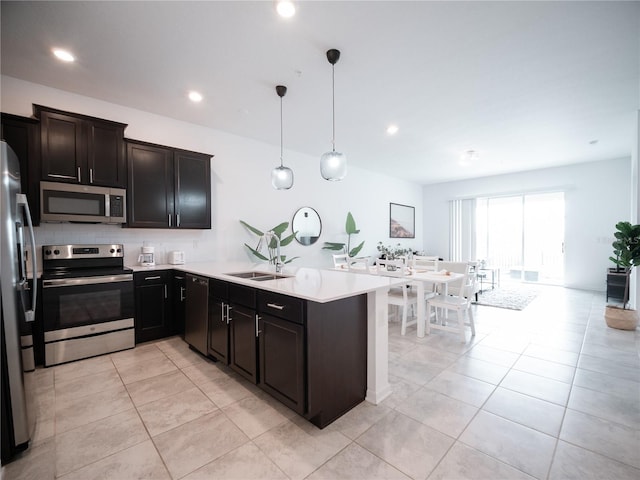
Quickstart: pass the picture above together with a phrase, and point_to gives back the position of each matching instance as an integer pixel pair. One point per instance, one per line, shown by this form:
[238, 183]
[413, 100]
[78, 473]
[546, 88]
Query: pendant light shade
[333, 165]
[281, 177]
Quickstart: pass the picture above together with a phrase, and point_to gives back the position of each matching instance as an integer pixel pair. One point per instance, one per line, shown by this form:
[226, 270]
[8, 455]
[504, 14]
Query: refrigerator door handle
[22, 202]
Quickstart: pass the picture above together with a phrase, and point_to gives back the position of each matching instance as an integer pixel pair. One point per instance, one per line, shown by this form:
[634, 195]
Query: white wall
[597, 196]
[241, 188]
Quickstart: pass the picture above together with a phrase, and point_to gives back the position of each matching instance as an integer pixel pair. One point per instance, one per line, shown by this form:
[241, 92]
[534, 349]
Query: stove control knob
[47, 252]
[119, 250]
[56, 252]
[112, 251]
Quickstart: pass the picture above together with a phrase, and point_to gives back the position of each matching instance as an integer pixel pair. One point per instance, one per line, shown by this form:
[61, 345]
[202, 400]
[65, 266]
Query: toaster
[176, 257]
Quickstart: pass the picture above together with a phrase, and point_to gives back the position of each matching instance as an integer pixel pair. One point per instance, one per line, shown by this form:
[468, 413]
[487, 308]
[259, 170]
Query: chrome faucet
[268, 236]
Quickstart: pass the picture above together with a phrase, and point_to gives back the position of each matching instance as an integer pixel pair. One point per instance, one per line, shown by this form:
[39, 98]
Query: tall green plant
[351, 229]
[626, 249]
[272, 246]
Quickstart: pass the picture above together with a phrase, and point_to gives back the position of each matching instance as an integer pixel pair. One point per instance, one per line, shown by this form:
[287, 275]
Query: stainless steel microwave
[68, 202]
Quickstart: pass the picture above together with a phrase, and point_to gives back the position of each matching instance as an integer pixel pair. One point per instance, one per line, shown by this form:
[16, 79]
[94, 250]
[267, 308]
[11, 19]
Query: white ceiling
[526, 84]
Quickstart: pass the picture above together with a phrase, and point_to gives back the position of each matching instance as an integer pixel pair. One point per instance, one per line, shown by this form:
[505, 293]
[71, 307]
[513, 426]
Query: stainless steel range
[88, 302]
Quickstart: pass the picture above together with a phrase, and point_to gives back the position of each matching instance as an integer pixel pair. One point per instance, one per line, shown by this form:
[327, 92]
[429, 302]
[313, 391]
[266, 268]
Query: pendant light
[333, 165]
[281, 177]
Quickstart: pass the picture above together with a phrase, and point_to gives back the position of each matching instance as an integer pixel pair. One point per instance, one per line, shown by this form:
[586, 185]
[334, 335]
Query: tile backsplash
[197, 244]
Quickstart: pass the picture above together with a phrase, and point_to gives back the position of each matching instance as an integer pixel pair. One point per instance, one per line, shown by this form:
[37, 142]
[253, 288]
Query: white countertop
[317, 285]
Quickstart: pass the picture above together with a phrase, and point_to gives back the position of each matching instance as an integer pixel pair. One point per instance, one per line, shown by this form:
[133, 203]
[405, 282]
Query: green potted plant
[351, 229]
[626, 251]
[272, 244]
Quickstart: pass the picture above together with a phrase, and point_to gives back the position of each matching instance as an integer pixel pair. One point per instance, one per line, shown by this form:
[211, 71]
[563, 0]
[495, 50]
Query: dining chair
[360, 264]
[403, 297]
[425, 262]
[340, 260]
[440, 304]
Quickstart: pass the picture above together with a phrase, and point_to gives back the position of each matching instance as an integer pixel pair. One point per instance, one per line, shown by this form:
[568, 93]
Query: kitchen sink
[269, 277]
[258, 276]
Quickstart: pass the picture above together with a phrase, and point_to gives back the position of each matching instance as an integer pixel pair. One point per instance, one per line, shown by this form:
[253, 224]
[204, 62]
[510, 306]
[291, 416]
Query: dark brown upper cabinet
[23, 136]
[81, 149]
[168, 187]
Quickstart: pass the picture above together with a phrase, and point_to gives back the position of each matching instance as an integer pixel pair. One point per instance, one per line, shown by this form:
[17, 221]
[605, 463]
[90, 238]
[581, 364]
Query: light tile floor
[547, 393]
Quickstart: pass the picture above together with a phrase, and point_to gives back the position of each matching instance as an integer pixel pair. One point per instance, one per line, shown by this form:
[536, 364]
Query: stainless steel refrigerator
[18, 306]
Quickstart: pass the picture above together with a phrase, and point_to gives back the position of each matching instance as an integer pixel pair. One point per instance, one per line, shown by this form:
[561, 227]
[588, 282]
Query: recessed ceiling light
[392, 129]
[593, 142]
[286, 8]
[195, 96]
[63, 55]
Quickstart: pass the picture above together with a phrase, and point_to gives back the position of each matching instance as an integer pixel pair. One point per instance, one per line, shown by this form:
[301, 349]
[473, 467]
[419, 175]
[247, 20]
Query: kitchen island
[343, 329]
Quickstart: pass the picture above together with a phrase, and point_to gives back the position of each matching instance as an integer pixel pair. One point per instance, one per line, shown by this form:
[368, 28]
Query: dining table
[421, 279]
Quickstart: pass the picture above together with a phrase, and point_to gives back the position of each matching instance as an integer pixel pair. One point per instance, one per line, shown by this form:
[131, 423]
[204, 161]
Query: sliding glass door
[522, 236]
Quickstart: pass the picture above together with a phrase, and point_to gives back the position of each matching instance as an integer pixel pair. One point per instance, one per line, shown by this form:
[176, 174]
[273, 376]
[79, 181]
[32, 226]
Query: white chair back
[359, 263]
[425, 262]
[391, 268]
[341, 260]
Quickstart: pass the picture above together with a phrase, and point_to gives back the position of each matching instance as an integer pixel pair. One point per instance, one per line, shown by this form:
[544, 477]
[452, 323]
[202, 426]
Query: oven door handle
[70, 282]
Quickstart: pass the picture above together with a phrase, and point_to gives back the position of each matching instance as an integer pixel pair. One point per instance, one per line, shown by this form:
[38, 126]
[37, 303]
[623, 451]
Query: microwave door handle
[22, 201]
[107, 205]
[79, 176]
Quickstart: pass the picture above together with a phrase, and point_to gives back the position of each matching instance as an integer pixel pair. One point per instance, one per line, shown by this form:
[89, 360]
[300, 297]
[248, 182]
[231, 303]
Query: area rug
[504, 297]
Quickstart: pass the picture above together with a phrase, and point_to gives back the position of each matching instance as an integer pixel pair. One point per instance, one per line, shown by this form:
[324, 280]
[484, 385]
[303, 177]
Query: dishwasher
[197, 312]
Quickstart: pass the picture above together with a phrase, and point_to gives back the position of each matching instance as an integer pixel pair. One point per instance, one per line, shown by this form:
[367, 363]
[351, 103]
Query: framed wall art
[402, 221]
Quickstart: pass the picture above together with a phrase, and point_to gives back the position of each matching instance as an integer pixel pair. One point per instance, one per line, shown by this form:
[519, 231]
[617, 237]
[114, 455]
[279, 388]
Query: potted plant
[626, 249]
[391, 253]
[351, 229]
[271, 246]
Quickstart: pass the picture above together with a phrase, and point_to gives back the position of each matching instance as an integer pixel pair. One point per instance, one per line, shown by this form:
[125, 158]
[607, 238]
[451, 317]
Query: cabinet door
[281, 360]
[63, 148]
[243, 327]
[150, 192]
[23, 136]
[153, 315]
[219, 330]
[106, 156]
[192, 189]
[179, 303]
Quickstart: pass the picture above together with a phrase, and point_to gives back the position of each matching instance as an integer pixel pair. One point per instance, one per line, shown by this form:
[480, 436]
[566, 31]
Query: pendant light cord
[333, 105]
[281, 141]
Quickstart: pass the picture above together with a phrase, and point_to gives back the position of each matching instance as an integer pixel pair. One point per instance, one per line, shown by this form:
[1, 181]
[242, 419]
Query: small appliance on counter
[147, 257]
[176, 257]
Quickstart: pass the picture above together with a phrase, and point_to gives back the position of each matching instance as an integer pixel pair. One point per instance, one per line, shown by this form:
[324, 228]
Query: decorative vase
[621, 318]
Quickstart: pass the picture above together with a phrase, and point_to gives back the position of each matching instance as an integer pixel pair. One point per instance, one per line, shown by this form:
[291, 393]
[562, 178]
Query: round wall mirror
[306, 222]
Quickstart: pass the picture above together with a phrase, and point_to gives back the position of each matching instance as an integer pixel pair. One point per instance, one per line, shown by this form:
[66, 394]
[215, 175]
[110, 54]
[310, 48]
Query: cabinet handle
[156, 277]
[91, 175]
[258, 317]
[177, 219]
[276, 306]
[79, 176]
[229, 307]
[165, 291]
[177, 277]
[169, 219]
[182, 297]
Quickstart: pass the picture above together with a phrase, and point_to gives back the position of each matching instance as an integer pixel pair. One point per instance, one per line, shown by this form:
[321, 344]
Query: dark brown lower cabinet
[153, 305]
[179, 302]
[310, 356]
[336, 352]
[242, 338]
[242, 331]
[282, 361]
[313, 356]
[219, 311]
